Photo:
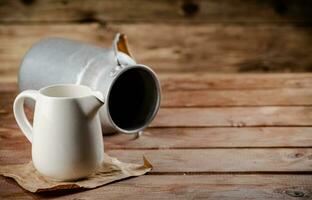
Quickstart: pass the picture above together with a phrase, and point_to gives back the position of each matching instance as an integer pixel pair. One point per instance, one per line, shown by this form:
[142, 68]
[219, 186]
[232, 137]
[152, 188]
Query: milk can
[131, 90]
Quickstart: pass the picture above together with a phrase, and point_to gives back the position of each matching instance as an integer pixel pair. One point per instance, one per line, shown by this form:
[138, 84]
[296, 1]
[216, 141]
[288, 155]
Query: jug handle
[19, 113]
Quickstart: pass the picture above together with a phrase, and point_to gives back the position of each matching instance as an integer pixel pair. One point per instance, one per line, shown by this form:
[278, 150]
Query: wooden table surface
[215, 137]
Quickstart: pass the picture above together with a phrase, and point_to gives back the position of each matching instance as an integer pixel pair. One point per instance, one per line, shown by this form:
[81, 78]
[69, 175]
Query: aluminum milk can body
[132, 91]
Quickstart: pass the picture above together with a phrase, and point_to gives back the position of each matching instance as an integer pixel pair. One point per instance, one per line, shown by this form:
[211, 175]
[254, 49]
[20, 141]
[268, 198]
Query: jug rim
[87, 92]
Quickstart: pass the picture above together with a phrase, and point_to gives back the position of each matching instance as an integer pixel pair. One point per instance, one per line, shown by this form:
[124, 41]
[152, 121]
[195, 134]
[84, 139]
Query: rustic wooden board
[227, 187]
[205, 48]
[223, 160]
[286, 160]
[216, 136]
[210, 81]
[188, 138]
[156, 11]
[234, 117]
[209, 98]
[265, 116]
[278, 97]
[196, 161]
[215, 117]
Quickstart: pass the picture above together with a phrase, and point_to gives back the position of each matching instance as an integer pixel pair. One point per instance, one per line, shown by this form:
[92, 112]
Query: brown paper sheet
[111, 170]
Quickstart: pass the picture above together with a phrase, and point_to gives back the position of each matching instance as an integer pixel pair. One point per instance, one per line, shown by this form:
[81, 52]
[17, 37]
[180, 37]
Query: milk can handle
[19, 113]
[120, 44]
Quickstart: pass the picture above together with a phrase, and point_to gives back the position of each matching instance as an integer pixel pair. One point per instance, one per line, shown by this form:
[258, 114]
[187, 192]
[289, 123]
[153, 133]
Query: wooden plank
[6, 109]
[156, 11]
[168, 138]
[227, 187]
[272, 97]
[208, 81]
[222, 160]
[208, 117]
[205, 48]
[268, 160]
[223, 116]
[266, 116]
[234, 117]
[8, 87]
[217, 98]
[187, 138]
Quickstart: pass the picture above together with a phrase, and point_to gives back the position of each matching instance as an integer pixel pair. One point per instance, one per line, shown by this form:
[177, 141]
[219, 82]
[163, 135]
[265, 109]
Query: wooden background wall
[169, 35]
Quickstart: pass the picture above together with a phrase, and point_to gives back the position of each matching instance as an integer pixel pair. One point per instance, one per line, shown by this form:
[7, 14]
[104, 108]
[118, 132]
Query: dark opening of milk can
[134, 99]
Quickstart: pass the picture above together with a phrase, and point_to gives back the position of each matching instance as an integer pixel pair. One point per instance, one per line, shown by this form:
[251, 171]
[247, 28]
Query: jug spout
[91, 105]
[99, 96]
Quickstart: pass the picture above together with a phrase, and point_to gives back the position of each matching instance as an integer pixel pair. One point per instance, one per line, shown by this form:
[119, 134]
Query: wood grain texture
[189, 138]
[286, 160]
[209, 81]
[287, 115]
[156, 11]
[227, 187]
[210, 98]
[217, 136]
[222, 160]
[234, 117]
[197, 162]
[215, 98]
[193, 48]
[264, 116]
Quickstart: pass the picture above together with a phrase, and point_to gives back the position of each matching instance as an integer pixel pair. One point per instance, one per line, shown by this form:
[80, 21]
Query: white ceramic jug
[66, 134]
[131, 90]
